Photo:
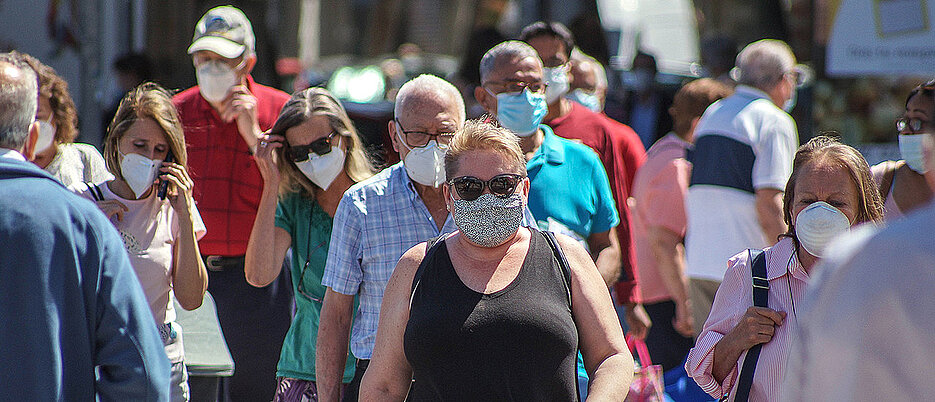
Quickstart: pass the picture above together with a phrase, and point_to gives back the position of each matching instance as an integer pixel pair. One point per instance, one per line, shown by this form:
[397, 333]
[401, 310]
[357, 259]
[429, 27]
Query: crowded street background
[387, 200]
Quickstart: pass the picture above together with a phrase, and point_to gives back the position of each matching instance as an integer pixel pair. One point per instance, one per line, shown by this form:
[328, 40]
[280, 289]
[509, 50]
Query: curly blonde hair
[51, 85]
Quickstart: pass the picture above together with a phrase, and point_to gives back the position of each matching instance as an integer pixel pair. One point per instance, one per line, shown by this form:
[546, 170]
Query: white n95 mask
[323, 169]
[139, 172]
[818, 224]
[214, 80]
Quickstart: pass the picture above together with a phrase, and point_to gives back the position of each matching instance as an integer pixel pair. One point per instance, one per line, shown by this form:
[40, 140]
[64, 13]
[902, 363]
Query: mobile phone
[163, 183]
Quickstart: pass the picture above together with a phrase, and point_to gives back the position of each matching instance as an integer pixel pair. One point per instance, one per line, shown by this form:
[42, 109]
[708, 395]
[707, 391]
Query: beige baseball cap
[224, 30]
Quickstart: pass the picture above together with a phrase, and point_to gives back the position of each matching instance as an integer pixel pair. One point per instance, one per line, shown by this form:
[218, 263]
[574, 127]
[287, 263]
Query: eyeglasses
[470, 187]
[518, 86]
[301, 287]
[914, 125]
[321, 146]
[419, 139]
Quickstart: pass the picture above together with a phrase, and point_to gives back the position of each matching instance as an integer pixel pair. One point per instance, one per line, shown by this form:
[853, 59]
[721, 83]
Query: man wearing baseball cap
[223, 117]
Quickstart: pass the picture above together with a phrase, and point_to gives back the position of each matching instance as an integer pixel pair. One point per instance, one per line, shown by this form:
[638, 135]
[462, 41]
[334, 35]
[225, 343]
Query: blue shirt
[568, 184]
[74, 324]
[376, 221]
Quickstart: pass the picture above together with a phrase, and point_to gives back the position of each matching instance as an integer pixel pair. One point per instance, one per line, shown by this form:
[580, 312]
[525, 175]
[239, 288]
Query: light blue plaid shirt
[377, 220]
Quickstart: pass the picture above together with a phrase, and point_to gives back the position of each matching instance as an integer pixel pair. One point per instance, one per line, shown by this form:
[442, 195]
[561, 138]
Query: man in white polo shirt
[744, 145]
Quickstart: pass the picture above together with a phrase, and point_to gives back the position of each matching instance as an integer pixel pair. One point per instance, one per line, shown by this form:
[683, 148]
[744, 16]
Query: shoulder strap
[888, 175]
[760, 299]
[562, 261]
[95, 191]
[431, 245]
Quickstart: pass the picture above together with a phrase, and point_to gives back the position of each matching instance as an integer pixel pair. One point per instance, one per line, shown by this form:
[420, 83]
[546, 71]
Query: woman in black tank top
[494, 311]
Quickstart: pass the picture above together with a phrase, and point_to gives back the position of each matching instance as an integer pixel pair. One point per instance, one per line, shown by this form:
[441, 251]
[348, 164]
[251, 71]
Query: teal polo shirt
[568, 184]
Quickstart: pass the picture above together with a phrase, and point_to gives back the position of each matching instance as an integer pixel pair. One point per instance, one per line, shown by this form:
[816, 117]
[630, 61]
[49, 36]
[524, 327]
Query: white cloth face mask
[818, 224]
[215, 78]
[323, 169]
[139, 172]
[46, 135]
[912, 151]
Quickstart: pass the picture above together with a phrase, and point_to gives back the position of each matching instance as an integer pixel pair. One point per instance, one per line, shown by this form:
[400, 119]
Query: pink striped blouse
[787, 282]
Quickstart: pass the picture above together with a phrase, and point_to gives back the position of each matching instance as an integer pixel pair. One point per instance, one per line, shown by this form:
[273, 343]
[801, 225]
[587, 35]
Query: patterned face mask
[489, 220]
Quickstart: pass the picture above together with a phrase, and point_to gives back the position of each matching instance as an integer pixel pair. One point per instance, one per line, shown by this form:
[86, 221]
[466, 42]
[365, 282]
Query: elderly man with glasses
[744, 145]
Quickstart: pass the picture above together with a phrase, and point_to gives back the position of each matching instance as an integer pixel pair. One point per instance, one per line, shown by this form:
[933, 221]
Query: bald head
[19, 94]
[428, 89]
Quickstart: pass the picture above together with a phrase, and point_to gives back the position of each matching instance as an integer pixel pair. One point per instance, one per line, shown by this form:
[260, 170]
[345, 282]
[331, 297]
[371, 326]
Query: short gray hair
[600, 74]
[19, 97]
[763, 63]
[503, 52]
[427, 85]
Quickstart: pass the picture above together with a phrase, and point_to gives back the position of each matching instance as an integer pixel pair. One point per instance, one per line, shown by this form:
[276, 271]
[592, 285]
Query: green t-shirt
[310, 228]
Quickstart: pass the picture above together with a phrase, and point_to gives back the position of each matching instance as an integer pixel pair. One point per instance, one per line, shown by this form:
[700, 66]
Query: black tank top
[517, 344]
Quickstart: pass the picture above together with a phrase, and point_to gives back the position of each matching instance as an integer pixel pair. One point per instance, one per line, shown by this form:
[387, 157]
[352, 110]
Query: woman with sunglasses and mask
[494, 311]
[150, 202]
[830, 190]
[902, 183]
[308, 159]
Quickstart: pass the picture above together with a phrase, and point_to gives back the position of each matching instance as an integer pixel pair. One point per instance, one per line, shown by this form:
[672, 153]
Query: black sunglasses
[470, 187]
[321, 146]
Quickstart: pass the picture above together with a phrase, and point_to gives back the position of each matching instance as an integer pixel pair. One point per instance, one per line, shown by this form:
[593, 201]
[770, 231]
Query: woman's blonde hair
[299, 109]
[64, 113]
[146, 101]
[830, 150]
[478, 135]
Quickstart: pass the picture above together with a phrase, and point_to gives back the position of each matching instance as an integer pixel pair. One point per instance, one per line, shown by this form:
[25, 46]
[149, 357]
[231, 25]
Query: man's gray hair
[763, 63]
[504, 52]
[430, 87]
[19, 97]
[600, 74]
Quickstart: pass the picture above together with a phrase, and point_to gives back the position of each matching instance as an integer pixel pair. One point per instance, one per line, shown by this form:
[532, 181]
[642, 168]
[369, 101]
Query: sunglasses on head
[321, 146]
[470, 187]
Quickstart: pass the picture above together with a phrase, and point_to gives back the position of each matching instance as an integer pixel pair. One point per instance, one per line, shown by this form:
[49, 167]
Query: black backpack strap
[95, 191]
[566, 275]
[562, 261]
[760, 299]
[431, 245]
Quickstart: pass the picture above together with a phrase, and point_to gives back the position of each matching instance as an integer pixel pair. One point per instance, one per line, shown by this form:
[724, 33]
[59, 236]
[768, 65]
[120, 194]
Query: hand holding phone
[163, 183]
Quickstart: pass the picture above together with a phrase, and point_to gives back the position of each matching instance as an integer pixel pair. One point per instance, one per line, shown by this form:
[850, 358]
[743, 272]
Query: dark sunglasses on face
[470, 187]
[914, 125]
[321, 146]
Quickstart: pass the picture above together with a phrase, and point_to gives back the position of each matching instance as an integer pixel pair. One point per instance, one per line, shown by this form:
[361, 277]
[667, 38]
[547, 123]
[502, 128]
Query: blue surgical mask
[521, 112]
[912, 151]
[588, 99]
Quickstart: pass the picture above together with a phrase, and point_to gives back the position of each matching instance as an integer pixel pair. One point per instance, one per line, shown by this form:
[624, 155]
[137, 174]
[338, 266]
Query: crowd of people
[487, 263]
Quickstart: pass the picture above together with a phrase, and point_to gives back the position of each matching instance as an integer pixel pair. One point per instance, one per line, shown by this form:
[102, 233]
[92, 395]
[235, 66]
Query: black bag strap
[562, 262]
[760, 299]
[95, 191]
[430, 246]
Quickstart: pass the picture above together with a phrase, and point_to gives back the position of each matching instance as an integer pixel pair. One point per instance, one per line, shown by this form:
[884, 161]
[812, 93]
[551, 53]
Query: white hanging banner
[881, 37]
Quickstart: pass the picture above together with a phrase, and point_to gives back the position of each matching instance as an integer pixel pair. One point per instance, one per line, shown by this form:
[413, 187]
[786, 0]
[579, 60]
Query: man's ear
[394, 138]
[249, 63]
[29, 148]
[483, 99]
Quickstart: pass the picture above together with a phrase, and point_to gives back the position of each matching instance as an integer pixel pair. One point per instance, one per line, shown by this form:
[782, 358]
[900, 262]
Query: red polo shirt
[622, 153]
[228, 184]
